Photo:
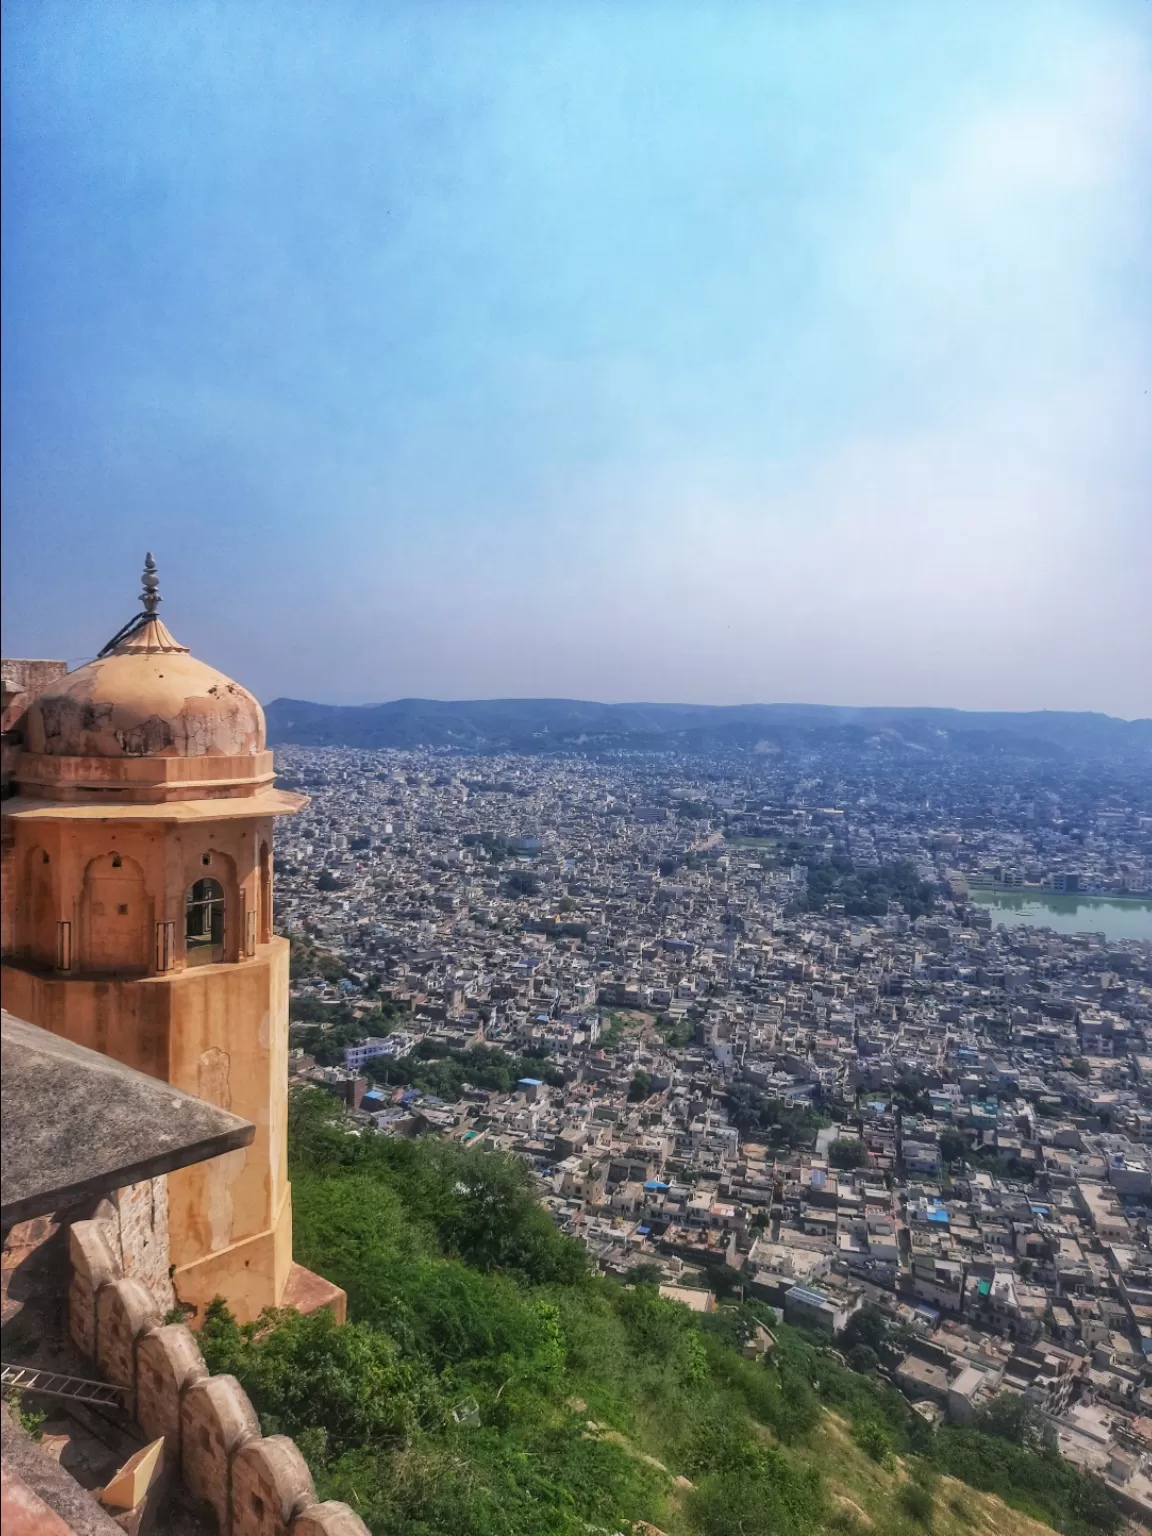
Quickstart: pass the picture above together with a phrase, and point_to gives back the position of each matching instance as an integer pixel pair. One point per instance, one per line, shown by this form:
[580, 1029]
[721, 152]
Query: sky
[765, 350]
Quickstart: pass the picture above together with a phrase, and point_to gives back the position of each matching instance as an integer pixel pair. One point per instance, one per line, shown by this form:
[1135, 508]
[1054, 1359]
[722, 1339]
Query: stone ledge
[307, 1292]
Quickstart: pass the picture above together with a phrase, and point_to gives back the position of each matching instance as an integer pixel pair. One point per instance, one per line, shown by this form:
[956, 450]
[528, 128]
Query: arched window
[204, 923]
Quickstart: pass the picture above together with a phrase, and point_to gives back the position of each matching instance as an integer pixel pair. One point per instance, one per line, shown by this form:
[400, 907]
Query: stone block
[93, 1265]
[142, 1219]
[168, 1360]
[124, 1310]
[91, 1253]
[270, 1485]
[216, 1419]
[329, 1519]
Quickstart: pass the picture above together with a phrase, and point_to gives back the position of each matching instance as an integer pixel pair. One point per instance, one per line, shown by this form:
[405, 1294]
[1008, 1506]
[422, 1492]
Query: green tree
[863, 1358]
[640, 1087]
[848, 1152]
[953, 1146]
[1010, 1416]
[874, 1438]
[311, 1372]
[521, 882]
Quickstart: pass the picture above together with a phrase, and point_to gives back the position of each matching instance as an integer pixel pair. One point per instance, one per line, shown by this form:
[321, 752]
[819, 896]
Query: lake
[1069, 914]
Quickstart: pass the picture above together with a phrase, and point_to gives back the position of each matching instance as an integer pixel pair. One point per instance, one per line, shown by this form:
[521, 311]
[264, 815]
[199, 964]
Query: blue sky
[662, 350]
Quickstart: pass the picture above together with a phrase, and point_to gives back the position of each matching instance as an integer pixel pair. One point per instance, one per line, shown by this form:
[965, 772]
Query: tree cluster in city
[440, 1070]
[761, 1118]
[867, 892]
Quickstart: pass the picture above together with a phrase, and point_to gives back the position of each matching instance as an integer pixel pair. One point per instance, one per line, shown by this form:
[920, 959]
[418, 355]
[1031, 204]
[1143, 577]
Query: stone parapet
[256, 1485]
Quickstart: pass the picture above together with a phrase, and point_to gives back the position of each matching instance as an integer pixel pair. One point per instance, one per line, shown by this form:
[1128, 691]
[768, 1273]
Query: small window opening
[204, 922]
[45, 858]
[117, 861]
[123, 909]
[205, 858]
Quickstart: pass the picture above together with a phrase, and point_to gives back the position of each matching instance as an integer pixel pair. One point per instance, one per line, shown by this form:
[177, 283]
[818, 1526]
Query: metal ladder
[30, 1378]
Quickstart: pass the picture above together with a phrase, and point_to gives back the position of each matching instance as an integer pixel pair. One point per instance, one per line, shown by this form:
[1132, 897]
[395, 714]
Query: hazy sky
[644, 349]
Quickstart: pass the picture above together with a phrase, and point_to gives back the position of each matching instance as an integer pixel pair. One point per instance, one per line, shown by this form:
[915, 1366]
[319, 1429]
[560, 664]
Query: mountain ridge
[543, 724]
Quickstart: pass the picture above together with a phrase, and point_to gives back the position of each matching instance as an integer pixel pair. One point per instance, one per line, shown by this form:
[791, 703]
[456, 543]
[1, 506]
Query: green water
[1069, 914]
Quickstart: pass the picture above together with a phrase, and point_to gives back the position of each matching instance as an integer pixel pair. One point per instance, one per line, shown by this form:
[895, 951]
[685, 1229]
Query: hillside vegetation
[487, 1384]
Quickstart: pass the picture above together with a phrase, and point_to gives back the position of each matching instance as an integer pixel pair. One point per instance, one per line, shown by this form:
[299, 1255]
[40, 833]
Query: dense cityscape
[753, 1022]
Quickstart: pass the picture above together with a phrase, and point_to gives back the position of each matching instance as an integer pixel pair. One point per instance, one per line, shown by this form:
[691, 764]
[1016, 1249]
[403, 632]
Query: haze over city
[670, 351]
[576, 767]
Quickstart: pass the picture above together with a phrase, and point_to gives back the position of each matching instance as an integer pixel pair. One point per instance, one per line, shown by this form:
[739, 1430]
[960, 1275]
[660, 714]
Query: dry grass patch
[864, 1495]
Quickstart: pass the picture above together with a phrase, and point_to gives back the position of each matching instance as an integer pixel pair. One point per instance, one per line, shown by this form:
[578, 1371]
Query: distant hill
[549, 725]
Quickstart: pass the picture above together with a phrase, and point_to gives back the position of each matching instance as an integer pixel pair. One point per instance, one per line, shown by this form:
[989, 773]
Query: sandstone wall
[136, 1219]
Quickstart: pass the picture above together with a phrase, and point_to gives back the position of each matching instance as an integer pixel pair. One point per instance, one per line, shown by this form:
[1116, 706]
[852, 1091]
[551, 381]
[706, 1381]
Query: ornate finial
[150, 596]
[144, 632]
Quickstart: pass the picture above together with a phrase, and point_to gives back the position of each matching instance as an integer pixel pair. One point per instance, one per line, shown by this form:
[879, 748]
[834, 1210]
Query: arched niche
[115, 917]
[37, 937]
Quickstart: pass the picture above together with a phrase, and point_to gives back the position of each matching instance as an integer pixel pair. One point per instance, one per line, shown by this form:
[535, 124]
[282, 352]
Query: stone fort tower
[138, 922]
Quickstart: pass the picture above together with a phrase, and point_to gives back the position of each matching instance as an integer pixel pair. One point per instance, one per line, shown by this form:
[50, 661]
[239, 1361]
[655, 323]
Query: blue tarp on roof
[656, 1184]
[530, 1082]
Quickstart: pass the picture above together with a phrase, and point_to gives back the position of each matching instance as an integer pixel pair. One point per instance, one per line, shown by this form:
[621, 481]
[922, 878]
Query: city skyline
[696, 354]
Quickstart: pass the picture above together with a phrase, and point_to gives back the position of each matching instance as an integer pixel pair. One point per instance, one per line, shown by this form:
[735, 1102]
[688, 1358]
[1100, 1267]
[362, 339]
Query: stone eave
[272, 802]
[77, 1124]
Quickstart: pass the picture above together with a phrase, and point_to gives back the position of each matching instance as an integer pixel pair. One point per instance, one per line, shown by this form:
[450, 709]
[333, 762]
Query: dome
[145, 696]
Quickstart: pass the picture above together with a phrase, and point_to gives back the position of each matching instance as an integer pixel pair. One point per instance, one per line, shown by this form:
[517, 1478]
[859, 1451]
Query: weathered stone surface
[270, 1484]
[124, 1310]
[145, 699]
[77, 1124]
[140, 1222]
[94, 1264]
[167, 1361]
[47, 1478]
[216, 1418]
[329, 1519]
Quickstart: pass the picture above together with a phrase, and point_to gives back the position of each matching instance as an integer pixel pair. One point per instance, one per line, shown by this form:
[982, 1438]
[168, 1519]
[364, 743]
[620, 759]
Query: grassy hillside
[488, 1385]
[865, 1495]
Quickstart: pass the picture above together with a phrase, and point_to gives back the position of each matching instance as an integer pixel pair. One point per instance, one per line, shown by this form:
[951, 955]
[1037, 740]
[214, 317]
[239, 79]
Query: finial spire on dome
[150, 596]
[144, 631]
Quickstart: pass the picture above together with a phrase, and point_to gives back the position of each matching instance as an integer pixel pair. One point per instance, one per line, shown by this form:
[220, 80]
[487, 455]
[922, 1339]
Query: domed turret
[138, 920]
[145, 696]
